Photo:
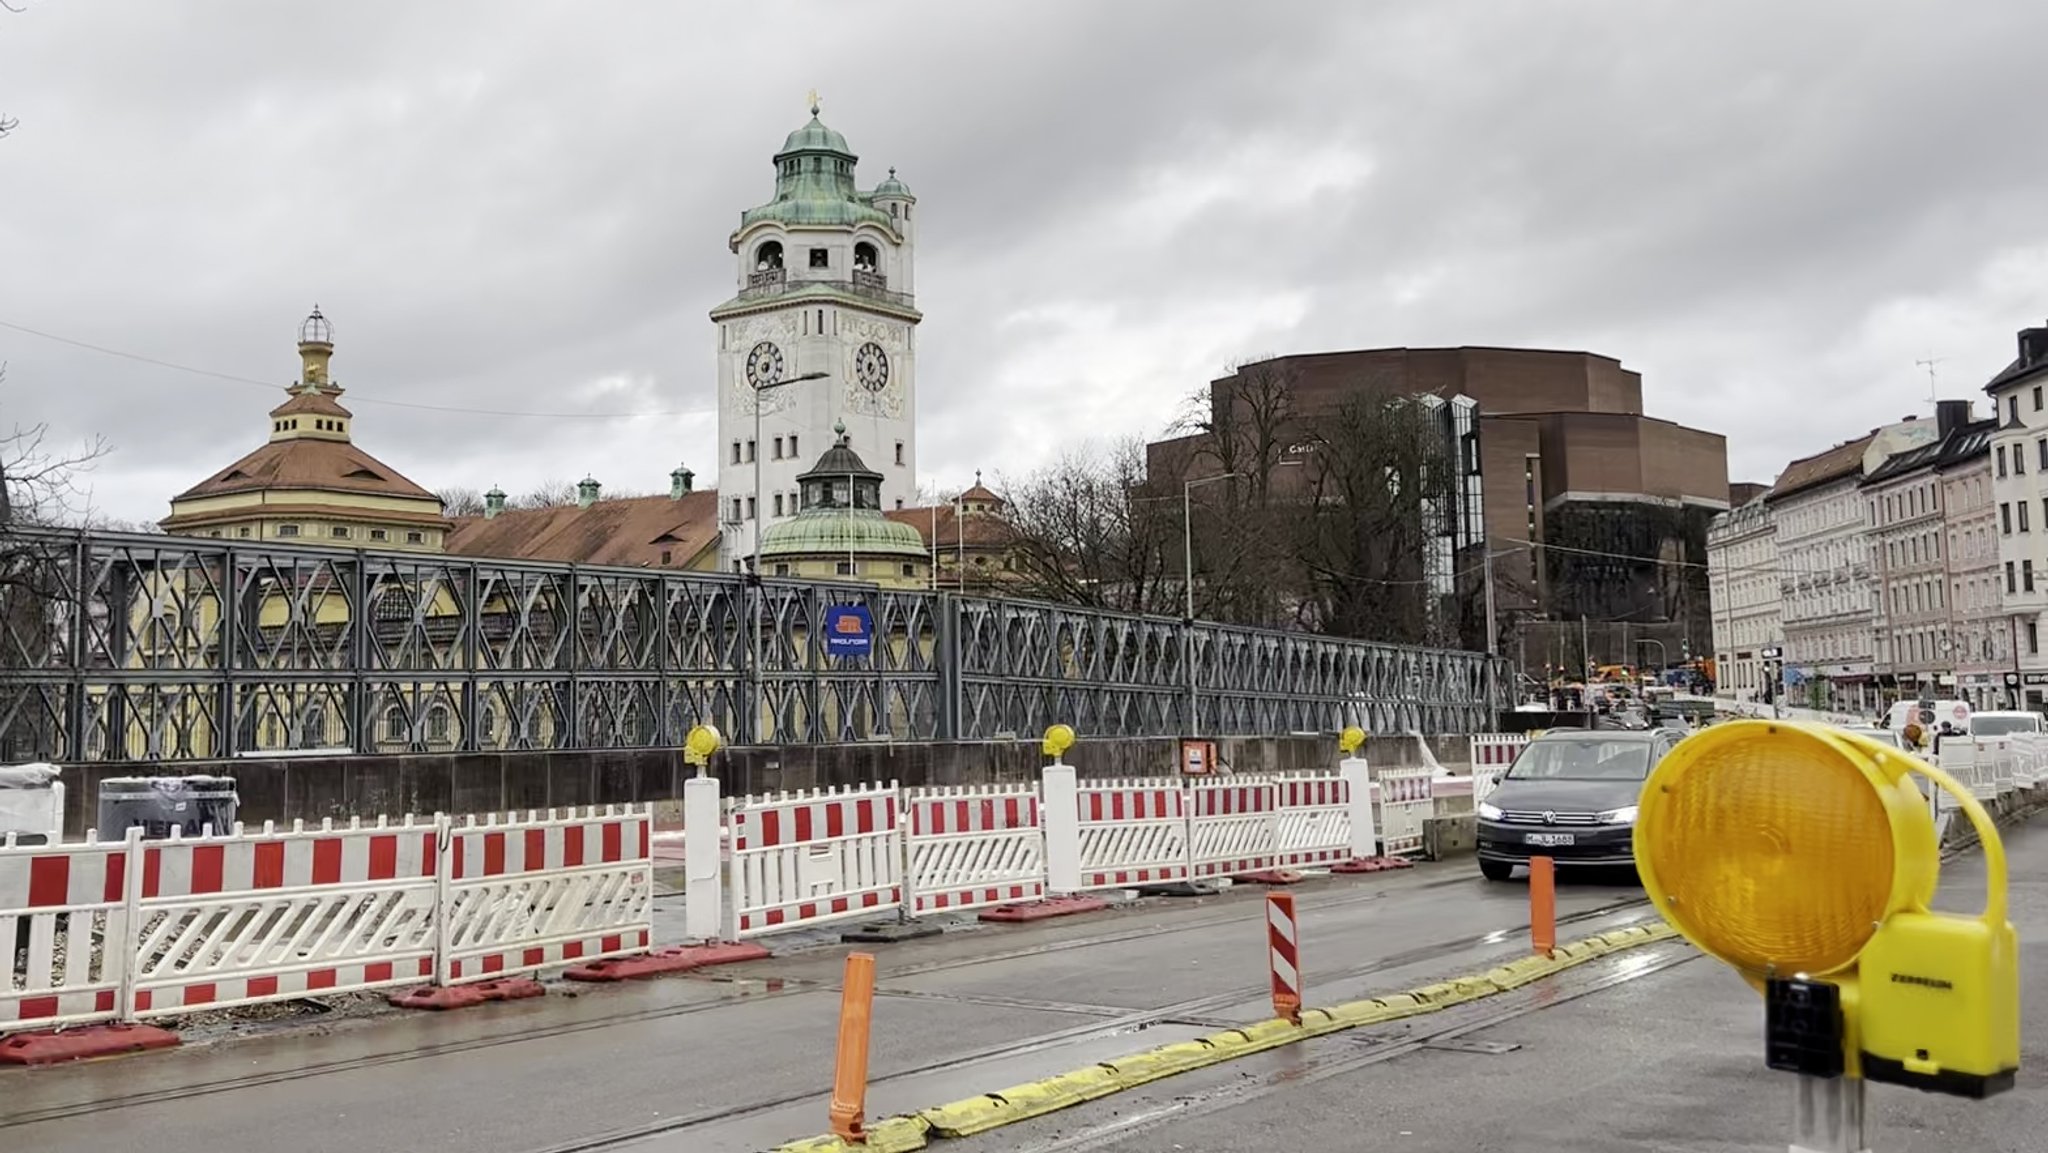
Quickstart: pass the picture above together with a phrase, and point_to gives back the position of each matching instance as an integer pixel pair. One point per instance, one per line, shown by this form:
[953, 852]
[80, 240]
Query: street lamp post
[754, 560]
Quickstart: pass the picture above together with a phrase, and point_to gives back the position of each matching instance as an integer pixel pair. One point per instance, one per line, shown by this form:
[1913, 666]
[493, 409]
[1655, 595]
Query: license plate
[1552, 840]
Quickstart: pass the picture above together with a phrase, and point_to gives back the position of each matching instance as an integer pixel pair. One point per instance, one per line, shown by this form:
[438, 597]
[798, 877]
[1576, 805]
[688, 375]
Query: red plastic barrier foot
[1040, 910]
[463, 996]
[83, 1044]
[1371, 865]
[675, 959]
[1270, 877]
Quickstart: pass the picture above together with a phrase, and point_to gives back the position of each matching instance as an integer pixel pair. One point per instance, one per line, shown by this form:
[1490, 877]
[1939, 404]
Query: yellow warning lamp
[1804, 856]
[702, 741]
[1058, 739]
[1349, 740]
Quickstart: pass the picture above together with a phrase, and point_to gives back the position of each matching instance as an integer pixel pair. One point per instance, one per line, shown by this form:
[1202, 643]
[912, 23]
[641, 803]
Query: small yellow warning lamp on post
[702, 741]
[1350, 739]
[1804, 856]
[1058, 739]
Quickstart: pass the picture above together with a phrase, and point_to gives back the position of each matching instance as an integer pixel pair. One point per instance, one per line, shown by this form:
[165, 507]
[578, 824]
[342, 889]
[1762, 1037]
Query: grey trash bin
[160, 804]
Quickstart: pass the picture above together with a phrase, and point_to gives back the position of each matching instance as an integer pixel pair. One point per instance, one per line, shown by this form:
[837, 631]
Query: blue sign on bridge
[849, 631]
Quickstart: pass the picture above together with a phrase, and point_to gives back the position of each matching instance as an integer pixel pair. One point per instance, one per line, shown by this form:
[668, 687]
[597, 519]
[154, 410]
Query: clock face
[764, 364]
[871, 367]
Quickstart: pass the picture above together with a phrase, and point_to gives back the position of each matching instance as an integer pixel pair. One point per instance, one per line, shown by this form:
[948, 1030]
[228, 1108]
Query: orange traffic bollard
[1543, 905]
[850, 1073]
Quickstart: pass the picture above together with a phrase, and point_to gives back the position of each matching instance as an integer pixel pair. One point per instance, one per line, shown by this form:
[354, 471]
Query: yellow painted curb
[1037, 1098]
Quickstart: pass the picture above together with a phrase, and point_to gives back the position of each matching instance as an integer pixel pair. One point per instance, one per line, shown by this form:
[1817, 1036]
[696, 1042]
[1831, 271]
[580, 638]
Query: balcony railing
[775, 281]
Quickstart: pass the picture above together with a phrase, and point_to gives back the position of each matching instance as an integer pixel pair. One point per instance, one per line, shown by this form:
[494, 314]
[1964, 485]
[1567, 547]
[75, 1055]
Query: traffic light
[1805, 857]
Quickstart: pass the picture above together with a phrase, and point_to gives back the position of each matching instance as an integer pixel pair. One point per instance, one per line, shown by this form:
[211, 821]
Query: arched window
[394, 724]
[437, 724]
[866, 258]
[768, 257]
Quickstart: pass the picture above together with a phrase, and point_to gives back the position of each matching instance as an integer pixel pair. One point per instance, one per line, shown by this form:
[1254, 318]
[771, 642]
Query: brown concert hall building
[1566, 458]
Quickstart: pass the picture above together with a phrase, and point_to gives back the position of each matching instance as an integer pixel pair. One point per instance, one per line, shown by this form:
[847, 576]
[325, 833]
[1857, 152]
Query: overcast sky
[1770, 210]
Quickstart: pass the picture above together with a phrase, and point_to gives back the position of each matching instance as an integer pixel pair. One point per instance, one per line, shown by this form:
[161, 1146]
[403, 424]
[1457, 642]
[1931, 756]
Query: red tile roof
[633, 531]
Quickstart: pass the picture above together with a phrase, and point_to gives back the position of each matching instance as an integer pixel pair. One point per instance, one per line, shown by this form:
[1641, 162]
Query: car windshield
[1582, 760]
[1982, 726]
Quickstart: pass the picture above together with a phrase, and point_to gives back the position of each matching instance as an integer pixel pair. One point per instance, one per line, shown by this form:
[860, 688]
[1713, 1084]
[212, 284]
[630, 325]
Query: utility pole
[1492, 628]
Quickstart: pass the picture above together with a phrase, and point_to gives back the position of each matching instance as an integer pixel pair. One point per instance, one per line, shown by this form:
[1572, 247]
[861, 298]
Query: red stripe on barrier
[201, 994]
[458, 870]
[327, 860]
[646, 827]
[771, 829]
[614, 836]
[103, 1001]
[49, 881]
[207, 866]
[572, 950]
[536, 850]
[262, 986]
[430, 855]
[866, 820]
[152, 864]
[494, 854]
[116, 877]
[383, 858]
[379, 971]
[267, 866]
[835, 819]
[802, 823]
[320, 979]
[611, 944]
[533, 957]
[36, 1008]
[572, 847]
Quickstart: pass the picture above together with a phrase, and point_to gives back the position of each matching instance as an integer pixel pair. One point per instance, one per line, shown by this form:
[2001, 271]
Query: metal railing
[123, 647]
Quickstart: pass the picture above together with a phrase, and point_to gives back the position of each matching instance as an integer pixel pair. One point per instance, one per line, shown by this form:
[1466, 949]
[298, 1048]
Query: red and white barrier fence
[245, 918]
[1406, 799]
[527, 893]
[1496, 749]
[972, 847]
[804, 859]
[1129, 833]
[137, 929]
[1233, 826]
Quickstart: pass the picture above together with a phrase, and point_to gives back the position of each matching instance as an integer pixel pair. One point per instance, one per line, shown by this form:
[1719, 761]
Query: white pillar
[703, 914]
[1358, 783]
[1060, 815]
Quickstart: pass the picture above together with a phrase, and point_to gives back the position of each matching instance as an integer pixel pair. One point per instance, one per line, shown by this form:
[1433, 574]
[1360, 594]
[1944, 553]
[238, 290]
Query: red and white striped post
[1284, 955]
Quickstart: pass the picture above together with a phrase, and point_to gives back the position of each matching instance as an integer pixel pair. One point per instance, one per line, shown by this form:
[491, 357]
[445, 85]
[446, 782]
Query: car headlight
[1488, 812]
[1622, 816]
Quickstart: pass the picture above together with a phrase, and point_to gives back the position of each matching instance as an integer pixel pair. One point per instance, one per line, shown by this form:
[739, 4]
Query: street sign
[849, 631]
[1773, 653]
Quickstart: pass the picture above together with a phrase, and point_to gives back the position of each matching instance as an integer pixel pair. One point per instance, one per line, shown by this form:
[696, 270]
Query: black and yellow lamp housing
[1795, 851]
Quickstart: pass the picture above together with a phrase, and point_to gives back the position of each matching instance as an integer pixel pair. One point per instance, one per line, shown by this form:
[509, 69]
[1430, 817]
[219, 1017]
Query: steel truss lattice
[135, 647]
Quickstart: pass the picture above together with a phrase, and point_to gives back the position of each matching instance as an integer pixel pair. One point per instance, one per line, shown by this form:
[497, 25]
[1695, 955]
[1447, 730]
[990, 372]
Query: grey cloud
[506, 206]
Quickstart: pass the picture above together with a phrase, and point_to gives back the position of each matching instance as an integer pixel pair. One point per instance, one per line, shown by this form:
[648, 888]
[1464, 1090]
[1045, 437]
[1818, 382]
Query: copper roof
[981, 494]
[1843, 460]
[984, 530]
[631, 531]
[316, 402]
[308, 463]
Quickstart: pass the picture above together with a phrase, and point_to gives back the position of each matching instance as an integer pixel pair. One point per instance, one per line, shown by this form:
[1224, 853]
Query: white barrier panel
[2003, 763]
[1496, 749]
[1406, 799]
[1232, 826]
[1485, 780]
[802, 859]
[244, 918]
[2027, 770]
[1314, 820]
[972, 847]
[63, 923]
[1960, 758]
[522, 894]
[1132, 833]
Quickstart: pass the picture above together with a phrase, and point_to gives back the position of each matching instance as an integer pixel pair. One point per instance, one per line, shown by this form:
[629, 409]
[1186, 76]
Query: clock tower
[822, 332]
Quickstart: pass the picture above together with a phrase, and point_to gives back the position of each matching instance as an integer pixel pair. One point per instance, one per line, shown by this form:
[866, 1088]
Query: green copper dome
[861, 532]
[814, 137]
[892, 188]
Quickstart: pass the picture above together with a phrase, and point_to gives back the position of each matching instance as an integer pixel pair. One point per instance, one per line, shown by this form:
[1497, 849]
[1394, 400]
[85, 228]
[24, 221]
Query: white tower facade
[822, 331]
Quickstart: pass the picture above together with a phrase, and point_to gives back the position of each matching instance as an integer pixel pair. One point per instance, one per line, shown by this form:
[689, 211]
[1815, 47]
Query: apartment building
[1742, 583]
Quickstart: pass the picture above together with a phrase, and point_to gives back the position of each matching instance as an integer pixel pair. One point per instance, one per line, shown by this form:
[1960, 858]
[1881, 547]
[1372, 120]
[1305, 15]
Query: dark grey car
[1570, 796]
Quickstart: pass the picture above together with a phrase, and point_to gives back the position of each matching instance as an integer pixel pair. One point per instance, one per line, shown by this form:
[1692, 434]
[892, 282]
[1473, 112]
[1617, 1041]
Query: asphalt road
[1665, 1061]
[742, 1060]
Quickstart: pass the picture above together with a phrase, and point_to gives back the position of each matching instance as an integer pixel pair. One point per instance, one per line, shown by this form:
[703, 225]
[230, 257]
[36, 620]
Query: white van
[1990, 724]
[1955, 713]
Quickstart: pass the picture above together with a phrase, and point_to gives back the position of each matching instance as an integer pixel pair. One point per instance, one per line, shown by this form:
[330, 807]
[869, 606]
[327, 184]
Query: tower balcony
[772, 282]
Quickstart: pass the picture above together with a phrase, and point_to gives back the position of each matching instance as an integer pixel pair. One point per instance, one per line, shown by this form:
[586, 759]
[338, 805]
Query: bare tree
[39, 483]
[461, 501]
[1085, 533]
[1378, 491]
[548, 494]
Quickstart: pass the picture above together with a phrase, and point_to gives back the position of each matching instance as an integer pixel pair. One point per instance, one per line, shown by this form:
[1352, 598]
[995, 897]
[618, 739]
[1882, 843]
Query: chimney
[1950, 415]
[494, 502]
[2033, 346]
[679, 482]
[586, 492]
